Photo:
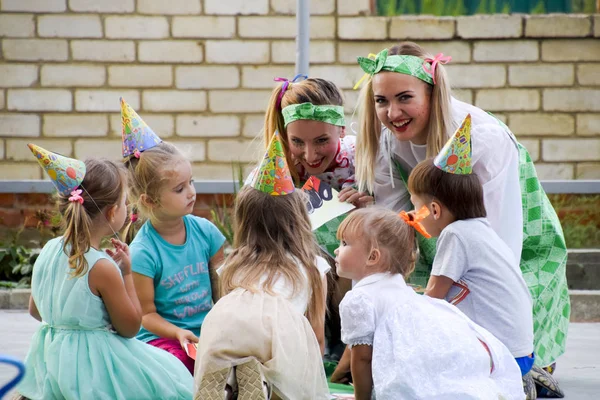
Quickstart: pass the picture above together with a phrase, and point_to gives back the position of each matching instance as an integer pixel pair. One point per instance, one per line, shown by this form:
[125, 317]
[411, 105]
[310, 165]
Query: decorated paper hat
[137, 135]
[455, 157]
[273, 175]
[66, 173]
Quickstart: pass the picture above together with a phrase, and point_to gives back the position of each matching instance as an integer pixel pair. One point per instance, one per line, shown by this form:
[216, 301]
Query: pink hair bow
[137, 153]
[438, 59]
[284, 87]
[76, 196]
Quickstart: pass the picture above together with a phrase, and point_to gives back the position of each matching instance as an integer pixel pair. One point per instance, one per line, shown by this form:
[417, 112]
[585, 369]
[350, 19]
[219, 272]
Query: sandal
[546, 384]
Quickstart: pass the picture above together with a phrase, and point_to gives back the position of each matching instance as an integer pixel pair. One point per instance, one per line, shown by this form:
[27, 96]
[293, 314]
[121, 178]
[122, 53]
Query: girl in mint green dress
[85, 347]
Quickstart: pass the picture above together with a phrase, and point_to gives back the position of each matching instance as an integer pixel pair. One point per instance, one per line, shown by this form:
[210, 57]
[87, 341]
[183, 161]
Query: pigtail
[441, 124]
[367, 141]
[76, 237]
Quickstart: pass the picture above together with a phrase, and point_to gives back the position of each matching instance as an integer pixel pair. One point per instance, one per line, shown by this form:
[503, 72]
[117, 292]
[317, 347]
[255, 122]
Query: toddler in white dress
[404, 345]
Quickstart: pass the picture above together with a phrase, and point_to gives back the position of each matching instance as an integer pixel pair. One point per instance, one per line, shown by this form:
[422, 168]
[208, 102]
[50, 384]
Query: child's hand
[351, 195]
[120, 255]
[184, 336]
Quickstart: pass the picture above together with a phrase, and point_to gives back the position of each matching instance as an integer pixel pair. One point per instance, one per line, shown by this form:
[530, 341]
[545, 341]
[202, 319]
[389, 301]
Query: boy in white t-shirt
[473, 268]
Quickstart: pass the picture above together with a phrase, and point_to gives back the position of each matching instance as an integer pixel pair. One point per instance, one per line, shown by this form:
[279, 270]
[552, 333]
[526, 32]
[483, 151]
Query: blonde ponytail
[76, 238]
[367, 141]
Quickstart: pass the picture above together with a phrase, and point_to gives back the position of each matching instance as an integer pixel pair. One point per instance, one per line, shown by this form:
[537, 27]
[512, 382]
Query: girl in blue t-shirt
[174, 254]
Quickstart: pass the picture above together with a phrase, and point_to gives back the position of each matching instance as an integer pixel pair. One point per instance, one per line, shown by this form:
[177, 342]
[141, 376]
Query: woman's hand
[121, 256]
[352, 195]
[183, 336]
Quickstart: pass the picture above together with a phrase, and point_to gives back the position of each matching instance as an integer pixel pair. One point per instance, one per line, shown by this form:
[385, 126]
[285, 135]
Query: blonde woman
[406, 115]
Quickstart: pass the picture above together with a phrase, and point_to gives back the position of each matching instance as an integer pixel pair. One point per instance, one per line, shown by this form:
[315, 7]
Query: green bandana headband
[333, 115]
[423, 69]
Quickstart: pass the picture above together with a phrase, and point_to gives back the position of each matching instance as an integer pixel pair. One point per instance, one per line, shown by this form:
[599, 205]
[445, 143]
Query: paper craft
[273, 175]
[324, 204]
[137, 135]
[191, 349]
[66, 173]
[455, 156]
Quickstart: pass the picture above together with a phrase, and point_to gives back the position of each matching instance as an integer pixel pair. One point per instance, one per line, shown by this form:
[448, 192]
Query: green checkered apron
[543, 262]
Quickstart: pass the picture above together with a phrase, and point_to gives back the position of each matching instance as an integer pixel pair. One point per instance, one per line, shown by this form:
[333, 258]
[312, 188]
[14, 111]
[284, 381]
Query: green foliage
[578, 214]
[470, 7]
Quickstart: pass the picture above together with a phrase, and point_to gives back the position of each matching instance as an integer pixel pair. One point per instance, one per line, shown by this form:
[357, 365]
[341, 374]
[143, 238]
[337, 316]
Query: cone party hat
[273, 175]
[66, 173]
[137, 135]
[455, 156]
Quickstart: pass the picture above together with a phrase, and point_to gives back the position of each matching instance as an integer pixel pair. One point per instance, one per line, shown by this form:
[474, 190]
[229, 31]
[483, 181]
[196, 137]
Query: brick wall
[200, 73]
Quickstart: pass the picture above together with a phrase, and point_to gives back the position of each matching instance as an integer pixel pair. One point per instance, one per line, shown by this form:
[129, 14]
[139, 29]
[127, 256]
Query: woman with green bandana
[406, 115]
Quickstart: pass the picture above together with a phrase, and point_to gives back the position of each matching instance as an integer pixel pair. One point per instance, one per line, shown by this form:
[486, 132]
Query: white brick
[125, 27]
[533, 147]
[1, 99]
[571, 100]
[20, 171]
[267, 27]
[18, 75]
[208, 126]
[234, 150]
[316, 7]
[597, 25]
[558, 25]
[162, 124]
[110, 149]
[363, 28]
[171, 7]
[535, 124]
[170, 51]
[75, 125]
[588, 124]
[17, 25]
[489, 26]
[70, 26]
[348, 51]
[101, 50]
[73, 75]
[37, 6]
[35, 49]
[19, 125]
[236, 7]
[204, 27]
[571, 50]
[588, 171]
[201, 77]
[262, 77]
[1, 150]
[476, 76]
[193, 150]
[464, 95]
[417, 27]
[505, 50]
[140, 76]
[322, 27]
[237, 52]
[351, 103]
[571, 149]
[588, 74]
[253, 125]
[212, 171]
[354, 7]
[39, 100]
[17, 150]
[320, 52]
[541, 75]
[103, 6]
[228, 101]
[508, 99]
[174, 100]
[554, 171]
[105, 100]
[343, 77]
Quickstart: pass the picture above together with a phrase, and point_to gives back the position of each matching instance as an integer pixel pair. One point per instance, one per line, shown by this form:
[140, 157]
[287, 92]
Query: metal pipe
[302, 36]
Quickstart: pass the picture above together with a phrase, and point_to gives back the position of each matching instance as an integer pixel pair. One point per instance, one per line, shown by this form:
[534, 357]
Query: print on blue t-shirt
[182, 292]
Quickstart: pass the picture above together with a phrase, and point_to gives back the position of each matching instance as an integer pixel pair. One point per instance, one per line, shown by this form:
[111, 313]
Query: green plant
[470, 7]
[579, 217]
[221, 213]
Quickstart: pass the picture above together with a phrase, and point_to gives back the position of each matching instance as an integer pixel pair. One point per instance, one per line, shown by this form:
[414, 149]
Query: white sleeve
[496, 163]
[451, 257]
[323, 266]
[357, 314]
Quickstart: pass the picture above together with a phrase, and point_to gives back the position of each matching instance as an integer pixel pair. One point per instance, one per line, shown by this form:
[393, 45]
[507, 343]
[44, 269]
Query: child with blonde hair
[86, 300]
[405, 345]
[174, 254]
[265, 328]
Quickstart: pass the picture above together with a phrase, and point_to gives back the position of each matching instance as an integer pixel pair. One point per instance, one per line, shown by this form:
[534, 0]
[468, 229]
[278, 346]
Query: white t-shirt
[495, 160]
[489, 287]
[285, 289]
